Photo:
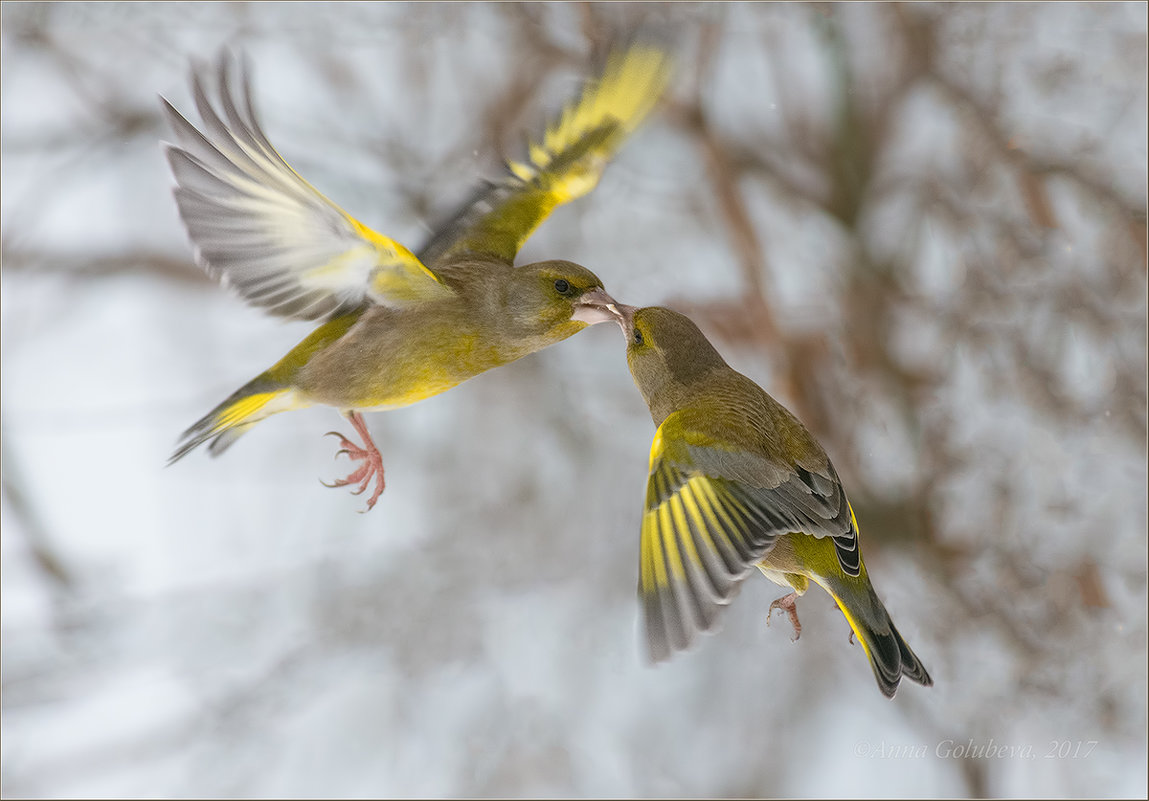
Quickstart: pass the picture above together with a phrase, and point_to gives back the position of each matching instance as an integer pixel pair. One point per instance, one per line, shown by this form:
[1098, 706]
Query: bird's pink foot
[372, 467]
[789, 605]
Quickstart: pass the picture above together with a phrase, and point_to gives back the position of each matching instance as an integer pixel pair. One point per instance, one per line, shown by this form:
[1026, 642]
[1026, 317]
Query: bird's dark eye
[638, 340]
[562, 286]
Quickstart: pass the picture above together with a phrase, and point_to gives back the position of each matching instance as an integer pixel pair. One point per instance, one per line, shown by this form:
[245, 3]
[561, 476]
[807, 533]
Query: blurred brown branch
[44, 554]
[970, 344]
[986, 314]
[82, 266]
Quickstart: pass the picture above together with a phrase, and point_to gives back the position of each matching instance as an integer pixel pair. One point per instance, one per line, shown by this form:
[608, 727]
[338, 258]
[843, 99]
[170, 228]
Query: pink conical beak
[624, 316]
[595, 306]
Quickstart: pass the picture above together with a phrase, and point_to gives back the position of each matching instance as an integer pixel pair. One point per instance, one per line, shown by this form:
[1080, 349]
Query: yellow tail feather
[242, 409]
[225, 423]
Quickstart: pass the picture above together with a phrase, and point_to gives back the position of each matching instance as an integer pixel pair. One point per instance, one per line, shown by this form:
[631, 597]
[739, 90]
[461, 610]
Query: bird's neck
[665, 397]
[515, 341]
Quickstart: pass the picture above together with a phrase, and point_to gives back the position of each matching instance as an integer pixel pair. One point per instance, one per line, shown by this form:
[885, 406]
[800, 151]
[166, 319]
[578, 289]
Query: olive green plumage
[737, 482]
[397, 327]
[382, 358]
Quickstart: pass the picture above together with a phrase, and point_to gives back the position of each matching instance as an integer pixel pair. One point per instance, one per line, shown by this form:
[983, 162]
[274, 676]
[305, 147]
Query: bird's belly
[782, 560]
[396, 397]
[783, 566]
[377, 376]
[796, 558]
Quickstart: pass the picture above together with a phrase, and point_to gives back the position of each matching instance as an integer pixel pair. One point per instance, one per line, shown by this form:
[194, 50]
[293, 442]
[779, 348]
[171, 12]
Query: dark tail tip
[212, 426]
[191, 439]
[891, 659]
[912, 667]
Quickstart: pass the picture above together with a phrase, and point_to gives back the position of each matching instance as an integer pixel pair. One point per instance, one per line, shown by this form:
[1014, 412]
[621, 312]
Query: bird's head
[555, 299]
[667, 355]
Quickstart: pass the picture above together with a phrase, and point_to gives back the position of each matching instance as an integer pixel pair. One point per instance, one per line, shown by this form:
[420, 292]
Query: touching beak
[624, 316]
[595, 306]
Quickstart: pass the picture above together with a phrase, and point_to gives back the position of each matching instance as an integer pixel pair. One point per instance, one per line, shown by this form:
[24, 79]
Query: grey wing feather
[262, 229]
[708, 522]
[812, 502]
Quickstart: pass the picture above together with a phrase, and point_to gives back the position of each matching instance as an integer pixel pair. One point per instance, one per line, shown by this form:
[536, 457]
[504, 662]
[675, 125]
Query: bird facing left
[397, 327]
[736, 482]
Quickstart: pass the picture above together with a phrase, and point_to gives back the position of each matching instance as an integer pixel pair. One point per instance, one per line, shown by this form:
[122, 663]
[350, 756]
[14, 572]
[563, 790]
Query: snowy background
[921, 227]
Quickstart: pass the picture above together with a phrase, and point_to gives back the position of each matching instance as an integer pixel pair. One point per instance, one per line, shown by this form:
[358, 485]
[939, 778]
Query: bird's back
[732, 409]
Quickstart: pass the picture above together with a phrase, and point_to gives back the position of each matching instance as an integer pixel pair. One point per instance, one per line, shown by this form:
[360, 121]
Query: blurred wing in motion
[711, 515]
[257, 225]
[566, 165]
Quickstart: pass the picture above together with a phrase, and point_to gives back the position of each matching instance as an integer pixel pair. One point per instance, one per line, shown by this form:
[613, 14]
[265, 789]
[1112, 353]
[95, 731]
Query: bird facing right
[737, 482]
[398, 327]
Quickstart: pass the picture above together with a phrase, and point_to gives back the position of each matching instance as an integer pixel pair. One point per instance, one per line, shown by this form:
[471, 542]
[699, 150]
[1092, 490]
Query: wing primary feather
[566, 164]
[657, 639]
[724, 547]
[699, 579]
[216, 126]
[770, 521]
[737, 514]
[721, 580]
[691, 617]
[255, 223]
[673, 594]
[728, 528]
[235, 120]
[696, 596]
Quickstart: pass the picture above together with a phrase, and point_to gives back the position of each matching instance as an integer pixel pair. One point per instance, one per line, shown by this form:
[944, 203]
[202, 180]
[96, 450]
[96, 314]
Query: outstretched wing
[711, 515]
[259, 227]
[566, 165]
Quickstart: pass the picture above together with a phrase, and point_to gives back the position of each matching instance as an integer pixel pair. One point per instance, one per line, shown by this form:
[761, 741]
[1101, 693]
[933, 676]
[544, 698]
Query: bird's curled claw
[789, 605]
[372, 467]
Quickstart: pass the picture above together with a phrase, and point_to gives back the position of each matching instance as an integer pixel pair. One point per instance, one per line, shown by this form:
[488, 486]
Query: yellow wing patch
[701, 535]
[576, 148]
[697, 529]
[399, 275]
[692, 541]
[565, 165]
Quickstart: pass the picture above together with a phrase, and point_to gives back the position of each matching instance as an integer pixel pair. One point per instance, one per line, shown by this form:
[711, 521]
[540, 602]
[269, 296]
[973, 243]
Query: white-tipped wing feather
[257, 225]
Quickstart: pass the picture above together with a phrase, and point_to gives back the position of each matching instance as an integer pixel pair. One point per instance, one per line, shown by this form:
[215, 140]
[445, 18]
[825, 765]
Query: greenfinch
[397, 327]
[736, 481]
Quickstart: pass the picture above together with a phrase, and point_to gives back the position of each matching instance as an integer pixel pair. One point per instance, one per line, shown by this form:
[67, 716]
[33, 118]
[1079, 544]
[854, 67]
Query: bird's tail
[889, 655]
[257, 399]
